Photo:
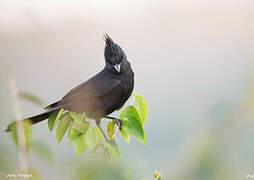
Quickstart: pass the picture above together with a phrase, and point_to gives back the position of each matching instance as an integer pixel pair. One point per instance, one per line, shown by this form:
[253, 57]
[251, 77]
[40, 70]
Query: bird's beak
[118, 67]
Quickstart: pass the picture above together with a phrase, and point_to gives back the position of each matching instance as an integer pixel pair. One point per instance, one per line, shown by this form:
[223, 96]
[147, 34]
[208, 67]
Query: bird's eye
[121, 57]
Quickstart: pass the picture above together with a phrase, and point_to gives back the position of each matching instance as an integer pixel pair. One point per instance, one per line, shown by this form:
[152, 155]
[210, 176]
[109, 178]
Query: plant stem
[20, 128]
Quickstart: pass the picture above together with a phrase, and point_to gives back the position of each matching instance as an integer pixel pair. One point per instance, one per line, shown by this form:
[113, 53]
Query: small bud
[157, 174]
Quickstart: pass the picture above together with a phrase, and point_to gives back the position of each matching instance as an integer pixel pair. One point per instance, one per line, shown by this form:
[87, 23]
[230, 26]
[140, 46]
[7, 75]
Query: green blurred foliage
[101, 170]
[27, 130]
[31, 98]
[43, 150]
[6, 158]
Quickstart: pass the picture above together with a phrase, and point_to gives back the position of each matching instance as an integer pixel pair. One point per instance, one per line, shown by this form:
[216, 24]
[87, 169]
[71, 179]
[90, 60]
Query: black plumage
[101, 95]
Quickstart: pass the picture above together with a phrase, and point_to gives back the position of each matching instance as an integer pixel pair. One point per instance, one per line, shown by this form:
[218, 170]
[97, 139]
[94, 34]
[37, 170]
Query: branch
[20, 128]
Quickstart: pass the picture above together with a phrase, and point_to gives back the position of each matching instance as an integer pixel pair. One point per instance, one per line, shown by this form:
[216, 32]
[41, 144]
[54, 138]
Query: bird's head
[114, 55]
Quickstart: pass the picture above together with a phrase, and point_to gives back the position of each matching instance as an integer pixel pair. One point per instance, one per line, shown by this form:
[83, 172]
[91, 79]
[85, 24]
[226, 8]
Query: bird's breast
[127, 85]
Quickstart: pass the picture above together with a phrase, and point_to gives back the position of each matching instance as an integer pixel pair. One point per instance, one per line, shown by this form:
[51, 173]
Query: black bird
[101, 95]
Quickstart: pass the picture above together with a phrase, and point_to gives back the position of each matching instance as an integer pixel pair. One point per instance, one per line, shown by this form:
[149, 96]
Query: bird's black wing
[98, 86]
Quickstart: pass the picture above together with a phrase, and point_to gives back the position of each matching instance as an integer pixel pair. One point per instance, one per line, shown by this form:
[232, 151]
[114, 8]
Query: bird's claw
[119, 123]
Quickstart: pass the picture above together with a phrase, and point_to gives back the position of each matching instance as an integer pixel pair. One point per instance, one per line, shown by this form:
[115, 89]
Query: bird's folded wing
[95, 87]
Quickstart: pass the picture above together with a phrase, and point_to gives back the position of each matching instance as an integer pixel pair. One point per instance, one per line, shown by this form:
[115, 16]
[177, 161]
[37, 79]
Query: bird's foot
[119, 123]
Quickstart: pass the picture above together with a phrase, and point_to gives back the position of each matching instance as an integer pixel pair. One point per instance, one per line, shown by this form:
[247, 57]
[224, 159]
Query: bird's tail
[34, 119]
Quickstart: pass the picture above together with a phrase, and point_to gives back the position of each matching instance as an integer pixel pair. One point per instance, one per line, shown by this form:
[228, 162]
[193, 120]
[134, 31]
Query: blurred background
[193, 61]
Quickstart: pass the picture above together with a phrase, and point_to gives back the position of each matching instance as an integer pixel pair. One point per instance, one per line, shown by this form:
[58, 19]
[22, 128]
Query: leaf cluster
[83, 135]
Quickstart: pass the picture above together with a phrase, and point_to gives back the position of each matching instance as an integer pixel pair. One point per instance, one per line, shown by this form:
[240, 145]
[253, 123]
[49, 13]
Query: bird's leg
[98, 122]
[119, 122]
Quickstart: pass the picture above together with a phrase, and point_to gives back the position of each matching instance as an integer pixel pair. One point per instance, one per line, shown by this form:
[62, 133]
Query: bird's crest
[109, 42]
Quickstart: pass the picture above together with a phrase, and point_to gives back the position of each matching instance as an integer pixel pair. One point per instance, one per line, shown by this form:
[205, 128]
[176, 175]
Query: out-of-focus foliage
[43, 150]
[6, 158]
[157, 175]
[101, 170]
[36, 145]
[113, 151]
[27, 132]
[31, 98]
[17, 131]
[203, 160]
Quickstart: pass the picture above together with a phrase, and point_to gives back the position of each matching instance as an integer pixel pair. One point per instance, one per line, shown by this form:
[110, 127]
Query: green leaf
[79, 144]
[100, 135]
[27, 132]
[63, 126]
[125, 135]
[73, 133]
[110, 129]
[43, 150]
[132, 123]
[58, 117]
[53, 118]
[142, 107]
[77, 117]
[113, 151]
[92, 138]
[77, 129]
[81, 127]
[31, 98]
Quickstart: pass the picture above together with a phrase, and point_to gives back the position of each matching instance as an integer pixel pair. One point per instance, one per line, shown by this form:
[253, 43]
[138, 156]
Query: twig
[20, 128]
